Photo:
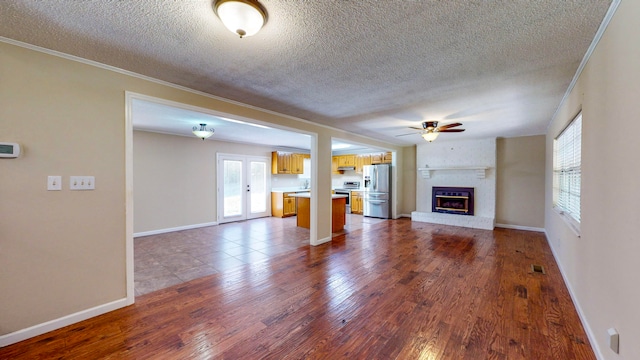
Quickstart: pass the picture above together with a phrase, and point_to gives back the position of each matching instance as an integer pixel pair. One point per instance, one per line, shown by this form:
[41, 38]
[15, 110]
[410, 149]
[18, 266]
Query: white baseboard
[322, 241]
[576, 304]
[404, 215]
[518, 227]
[55, 324]
[168, 230]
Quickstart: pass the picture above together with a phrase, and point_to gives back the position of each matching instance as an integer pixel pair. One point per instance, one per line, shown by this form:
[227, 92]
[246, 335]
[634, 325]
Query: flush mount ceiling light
[202, 132]
[430, 135]
[242, 17]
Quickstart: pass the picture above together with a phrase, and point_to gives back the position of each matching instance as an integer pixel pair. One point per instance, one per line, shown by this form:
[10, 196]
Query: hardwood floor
[392, 290]
[172, 258]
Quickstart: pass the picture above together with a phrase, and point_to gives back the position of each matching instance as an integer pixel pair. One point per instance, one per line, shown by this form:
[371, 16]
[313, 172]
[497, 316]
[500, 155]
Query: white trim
[177, 228]
[481, 171]
[519, 227]
[404, 215]
[576, 304]
[321, 241]
[128, 201]
[603, 26]
[55, 324]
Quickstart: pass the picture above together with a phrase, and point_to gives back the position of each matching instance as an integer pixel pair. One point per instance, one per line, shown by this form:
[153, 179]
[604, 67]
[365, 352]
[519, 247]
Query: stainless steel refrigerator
[377, 191]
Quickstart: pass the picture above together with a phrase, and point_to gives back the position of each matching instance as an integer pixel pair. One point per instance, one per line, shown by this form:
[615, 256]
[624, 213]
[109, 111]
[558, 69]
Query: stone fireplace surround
[455, 164]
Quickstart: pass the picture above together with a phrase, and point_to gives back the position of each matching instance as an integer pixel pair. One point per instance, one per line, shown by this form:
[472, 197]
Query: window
[566, 169]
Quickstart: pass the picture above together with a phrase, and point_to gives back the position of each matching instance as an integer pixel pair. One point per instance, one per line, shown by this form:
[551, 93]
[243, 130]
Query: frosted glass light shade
[240, 16]
[430, 136]
[202, 132]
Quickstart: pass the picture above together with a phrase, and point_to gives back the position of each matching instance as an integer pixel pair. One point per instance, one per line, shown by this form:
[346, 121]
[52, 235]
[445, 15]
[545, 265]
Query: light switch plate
[54, 183]
[82, 183]
[614, 340]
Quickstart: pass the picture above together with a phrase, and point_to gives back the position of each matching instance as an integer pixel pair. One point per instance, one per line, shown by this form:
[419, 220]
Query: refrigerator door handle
[375, 178]
[377, 202]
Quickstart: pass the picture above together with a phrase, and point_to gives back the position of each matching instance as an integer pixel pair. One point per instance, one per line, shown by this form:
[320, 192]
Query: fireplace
[452, 200]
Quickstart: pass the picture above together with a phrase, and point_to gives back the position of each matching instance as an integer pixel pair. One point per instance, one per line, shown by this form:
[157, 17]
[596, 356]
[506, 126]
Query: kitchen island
[338, 211]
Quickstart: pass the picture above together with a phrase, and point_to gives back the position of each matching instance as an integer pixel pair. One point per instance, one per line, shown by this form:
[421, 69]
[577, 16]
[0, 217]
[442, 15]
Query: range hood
[343, 168]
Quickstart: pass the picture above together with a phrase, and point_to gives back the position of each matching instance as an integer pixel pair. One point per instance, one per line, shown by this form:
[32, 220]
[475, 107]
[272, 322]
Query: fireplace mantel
[480, 171]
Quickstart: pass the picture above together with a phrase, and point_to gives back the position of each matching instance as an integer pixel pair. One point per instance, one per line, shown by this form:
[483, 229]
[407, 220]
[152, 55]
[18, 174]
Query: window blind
[567, 149]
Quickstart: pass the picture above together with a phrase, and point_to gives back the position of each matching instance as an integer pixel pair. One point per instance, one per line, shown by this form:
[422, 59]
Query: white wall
[464, 153]
[601, 265]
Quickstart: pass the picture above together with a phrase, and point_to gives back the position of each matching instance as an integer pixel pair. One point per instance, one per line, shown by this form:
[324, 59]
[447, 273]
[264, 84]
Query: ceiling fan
[431, 130]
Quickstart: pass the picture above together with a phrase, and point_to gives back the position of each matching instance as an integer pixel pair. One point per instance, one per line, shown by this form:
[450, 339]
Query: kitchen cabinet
[346, 160]
[287, 163]
[334, 165]
[356, 202]
[283, 204]
[297, 163]
[377, 158]
[362, 160]
[387, 158]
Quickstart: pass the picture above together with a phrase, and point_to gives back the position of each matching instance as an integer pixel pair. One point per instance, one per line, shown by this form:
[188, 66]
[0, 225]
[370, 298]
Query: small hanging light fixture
[202, 132]
[242, 17]
[430, 135]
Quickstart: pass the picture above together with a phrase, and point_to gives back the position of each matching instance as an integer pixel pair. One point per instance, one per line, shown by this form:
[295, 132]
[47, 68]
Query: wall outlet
[82, 183]
[54, 183]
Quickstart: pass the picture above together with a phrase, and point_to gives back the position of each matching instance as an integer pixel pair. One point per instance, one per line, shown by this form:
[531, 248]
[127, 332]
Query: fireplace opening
[452, 200]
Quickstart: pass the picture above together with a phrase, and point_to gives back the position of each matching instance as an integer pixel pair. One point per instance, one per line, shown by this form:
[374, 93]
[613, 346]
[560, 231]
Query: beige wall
[174, 182]
[408, 191]
[64, 252]
[601, 266]
[520, 182]
[60, 251]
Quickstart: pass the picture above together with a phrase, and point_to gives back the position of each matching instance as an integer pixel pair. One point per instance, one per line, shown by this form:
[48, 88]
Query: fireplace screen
[452, 200]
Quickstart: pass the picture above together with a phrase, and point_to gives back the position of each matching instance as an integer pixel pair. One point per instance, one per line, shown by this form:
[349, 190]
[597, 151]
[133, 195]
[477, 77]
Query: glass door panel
[258, 186]
[243, 187]
[232, 188]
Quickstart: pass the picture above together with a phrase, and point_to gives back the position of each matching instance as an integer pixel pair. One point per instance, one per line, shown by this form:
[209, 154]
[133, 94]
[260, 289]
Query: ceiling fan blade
[448, 126]
[451, 130]
[411, 127]
[413, 133]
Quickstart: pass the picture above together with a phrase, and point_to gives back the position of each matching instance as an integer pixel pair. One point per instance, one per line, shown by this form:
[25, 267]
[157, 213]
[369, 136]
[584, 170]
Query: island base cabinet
[338, 213]
[283, 204]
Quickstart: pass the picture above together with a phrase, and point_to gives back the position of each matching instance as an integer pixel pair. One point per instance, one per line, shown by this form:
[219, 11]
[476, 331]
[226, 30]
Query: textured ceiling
[371, 67]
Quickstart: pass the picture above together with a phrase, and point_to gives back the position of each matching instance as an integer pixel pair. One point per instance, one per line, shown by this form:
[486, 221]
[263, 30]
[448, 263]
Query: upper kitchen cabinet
[362, 160]
[376, 158]
[287, 163]
[334, 165]
[386, 159]
[346, 160]
[381, 158]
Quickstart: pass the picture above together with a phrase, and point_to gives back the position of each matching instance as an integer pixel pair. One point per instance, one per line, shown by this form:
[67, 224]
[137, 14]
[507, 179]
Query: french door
[243, 187]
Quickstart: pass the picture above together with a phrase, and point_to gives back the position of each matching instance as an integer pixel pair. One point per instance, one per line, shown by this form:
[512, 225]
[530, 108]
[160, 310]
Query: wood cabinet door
[362, 160]
[297, 163]
[284, 163]
[289, 206]
[356, 202]
[376, 158]
[334, 165]
[387, 158]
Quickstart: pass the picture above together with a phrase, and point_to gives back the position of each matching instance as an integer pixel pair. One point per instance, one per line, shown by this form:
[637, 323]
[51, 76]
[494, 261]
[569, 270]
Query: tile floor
[172, 258]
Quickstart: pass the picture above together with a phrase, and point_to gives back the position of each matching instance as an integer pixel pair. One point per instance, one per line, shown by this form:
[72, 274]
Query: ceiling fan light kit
[242, 17]
[430, 135]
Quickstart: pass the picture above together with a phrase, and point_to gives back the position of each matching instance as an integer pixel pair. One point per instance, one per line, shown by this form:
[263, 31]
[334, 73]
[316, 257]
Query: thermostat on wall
[9, 150]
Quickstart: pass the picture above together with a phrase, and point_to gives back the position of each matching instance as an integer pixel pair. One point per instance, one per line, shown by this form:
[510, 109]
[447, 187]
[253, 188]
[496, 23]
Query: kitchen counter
[289, 189]
[308, 195]
[338, 211]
